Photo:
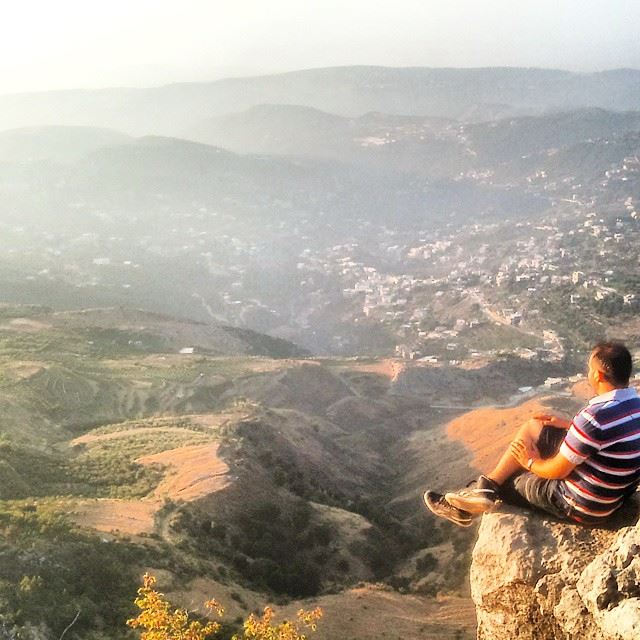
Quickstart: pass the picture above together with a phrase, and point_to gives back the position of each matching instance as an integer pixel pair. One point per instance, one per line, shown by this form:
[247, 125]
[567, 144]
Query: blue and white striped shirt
[604, 442]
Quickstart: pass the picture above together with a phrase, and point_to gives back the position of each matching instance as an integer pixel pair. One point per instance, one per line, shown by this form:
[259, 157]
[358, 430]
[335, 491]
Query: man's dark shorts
[528, 489]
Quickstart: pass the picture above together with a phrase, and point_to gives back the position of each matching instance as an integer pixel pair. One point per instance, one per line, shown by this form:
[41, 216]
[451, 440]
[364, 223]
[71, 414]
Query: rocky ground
[537, 579]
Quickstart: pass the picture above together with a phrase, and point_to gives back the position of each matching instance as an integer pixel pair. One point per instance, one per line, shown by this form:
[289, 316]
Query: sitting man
[578, 471]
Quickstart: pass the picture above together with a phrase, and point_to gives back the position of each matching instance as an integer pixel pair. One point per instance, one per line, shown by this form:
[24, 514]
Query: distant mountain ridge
[434, 147]
[300, 130]
[175, 333]
[474, 94]
[56, 143]
[428, 146]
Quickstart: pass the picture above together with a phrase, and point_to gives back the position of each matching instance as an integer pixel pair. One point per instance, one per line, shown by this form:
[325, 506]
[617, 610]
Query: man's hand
[554, 421]
[521, 452]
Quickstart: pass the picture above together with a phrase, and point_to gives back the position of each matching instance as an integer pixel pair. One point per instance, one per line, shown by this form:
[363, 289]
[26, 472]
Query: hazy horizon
[249, 74]
[75, 45]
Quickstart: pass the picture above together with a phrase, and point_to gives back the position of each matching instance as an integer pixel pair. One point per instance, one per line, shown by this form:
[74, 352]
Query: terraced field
[186, 472]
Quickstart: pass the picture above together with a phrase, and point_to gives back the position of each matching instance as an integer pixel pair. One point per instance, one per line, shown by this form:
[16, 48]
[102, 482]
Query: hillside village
[586, 252]
[465, 249]
[518, 273]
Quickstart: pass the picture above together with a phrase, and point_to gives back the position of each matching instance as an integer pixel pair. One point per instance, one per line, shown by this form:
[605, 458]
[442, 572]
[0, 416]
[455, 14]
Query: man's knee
[531, 429]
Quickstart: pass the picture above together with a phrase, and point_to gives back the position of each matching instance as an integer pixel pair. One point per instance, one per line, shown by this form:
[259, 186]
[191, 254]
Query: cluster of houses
[546, 254]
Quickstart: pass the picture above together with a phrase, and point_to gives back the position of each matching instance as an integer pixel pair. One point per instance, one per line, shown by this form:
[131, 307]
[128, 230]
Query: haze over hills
[245, 346]
[435, 147]
[58, 144]
[466, 94]
[297, 130]
[340, 247]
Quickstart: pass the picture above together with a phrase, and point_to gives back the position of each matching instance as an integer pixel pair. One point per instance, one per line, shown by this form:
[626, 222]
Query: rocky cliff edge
[535, 578]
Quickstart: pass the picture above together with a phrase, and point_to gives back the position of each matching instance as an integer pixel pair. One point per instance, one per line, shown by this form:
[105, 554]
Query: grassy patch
[51, 571]
[489, 336]
[152, 423]
[107, 468]
[114, 343]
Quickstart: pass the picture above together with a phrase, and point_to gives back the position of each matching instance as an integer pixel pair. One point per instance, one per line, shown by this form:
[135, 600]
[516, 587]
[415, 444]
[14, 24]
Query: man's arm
[554, 468]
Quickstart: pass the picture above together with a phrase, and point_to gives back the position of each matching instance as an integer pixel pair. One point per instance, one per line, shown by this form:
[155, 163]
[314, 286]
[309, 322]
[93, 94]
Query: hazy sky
[48, 44]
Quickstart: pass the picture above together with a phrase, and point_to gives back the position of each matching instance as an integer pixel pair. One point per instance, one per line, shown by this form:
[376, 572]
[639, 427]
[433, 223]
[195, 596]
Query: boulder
[535, 578]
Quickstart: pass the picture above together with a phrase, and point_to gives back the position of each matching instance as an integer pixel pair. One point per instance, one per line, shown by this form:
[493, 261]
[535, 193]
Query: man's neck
[606, 387]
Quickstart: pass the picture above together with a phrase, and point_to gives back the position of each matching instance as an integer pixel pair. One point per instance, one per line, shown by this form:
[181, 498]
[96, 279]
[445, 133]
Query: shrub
[427, 563]
[160, 622]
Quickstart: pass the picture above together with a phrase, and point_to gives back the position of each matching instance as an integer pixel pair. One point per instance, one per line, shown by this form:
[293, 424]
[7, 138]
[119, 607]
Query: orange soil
[130, 517]
[369, 612]
[196, 471]
[486, 432]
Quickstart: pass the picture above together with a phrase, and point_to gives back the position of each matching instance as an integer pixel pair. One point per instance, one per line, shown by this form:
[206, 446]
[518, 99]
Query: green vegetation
[9, 312]
[108, 468]
[273, 546]
[580, 326]
[274, 540]
[103, 468]
[50, 573]
[489, 336]
[307, 512]
[113, 343]
[264, 345]
[160, 621]
[28, 472]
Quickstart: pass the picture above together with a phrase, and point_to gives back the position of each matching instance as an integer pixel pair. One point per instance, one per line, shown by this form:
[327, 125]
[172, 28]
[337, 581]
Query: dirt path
[371, 612]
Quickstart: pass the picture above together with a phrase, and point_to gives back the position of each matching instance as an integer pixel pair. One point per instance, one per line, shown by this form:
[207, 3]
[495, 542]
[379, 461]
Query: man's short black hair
[615, 362]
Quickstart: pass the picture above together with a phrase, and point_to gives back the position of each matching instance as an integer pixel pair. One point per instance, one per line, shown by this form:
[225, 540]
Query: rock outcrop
[538, 579]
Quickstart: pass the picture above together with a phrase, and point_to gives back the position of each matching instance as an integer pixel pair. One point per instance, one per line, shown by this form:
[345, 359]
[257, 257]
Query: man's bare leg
[529, 432]
[485, 494]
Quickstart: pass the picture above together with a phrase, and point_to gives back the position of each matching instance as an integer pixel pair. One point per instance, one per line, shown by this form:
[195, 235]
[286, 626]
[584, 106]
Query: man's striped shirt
[604, 442]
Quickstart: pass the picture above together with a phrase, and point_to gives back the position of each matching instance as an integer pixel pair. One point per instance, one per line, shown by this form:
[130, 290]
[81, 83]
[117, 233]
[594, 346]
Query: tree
[160, 622]
[262, 628]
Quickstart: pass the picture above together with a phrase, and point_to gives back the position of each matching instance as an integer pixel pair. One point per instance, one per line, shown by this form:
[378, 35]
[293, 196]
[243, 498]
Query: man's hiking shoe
[476, 499]
[436, 503]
